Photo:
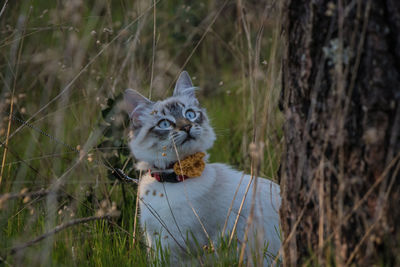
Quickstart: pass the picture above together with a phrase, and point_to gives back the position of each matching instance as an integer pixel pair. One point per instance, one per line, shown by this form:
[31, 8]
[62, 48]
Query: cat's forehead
[172, 106]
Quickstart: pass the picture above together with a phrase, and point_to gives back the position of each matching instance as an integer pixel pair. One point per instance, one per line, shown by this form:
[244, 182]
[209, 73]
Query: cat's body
[175, 214]
[210, 196]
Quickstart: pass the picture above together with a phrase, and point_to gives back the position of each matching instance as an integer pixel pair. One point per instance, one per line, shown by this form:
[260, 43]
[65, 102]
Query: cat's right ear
[135, 104]
[184, 85]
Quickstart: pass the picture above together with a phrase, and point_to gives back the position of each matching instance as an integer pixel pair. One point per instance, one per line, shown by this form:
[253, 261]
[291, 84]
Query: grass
[71, 60]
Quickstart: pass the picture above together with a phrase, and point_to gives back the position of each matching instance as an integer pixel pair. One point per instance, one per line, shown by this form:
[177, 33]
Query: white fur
[166, 152]
[210, 196]
[171, 212]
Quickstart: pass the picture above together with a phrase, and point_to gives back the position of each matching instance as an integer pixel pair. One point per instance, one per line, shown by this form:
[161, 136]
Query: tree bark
[341, 99]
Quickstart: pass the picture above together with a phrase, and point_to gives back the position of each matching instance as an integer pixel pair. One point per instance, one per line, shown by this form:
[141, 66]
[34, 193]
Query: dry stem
[62, 227]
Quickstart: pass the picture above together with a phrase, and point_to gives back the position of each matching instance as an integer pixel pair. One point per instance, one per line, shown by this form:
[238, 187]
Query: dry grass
[63, 67]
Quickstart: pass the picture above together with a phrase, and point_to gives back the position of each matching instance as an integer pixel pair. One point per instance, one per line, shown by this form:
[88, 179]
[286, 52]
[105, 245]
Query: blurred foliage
[64, 65]
[113, 142]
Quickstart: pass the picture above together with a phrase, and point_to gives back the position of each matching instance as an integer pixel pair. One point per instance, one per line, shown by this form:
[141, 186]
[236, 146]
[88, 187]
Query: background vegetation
[63, 67]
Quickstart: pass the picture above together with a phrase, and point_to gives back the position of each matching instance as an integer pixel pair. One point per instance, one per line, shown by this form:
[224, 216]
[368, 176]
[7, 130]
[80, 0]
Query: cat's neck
[162, 166]
[146, 166]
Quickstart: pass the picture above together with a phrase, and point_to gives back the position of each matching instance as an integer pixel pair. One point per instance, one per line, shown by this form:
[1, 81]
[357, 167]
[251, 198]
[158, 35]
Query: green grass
[85, 53]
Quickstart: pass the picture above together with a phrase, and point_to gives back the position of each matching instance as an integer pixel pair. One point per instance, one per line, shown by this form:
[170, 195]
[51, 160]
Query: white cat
[173, 211]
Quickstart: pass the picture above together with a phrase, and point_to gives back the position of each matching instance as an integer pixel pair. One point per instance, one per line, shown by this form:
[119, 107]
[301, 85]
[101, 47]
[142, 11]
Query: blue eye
[164, 124]
[190, 114]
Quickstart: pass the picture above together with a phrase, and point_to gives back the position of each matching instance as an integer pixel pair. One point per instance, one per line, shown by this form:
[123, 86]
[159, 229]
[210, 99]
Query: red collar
[168, 177]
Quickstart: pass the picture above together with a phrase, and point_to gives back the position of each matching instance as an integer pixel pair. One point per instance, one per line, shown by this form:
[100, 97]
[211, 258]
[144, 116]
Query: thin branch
[120, 175]
[231, 206]
[22, 194]
[3, 8]
[199, 42]
[93, 59]
[154, 49]
[62, 227]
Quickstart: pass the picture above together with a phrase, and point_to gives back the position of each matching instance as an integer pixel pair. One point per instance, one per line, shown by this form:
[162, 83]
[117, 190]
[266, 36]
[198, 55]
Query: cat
[180, 211]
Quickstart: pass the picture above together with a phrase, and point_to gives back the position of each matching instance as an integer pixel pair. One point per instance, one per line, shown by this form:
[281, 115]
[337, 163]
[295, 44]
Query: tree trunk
[341, 99]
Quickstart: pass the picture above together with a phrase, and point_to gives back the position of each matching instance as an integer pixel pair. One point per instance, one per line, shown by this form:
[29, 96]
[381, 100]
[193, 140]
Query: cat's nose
[186, 127]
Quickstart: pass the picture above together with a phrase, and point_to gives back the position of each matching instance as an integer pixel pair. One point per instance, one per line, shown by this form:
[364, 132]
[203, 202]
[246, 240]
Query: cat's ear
[135, 104]
[184, 85]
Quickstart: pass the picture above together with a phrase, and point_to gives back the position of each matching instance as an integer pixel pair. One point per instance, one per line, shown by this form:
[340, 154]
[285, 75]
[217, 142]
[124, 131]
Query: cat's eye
[190, 114]
[164, 124]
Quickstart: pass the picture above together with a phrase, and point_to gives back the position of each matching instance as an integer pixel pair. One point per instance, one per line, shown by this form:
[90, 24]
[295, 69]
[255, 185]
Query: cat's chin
[190, 147]
[169, 158]
[188, 139]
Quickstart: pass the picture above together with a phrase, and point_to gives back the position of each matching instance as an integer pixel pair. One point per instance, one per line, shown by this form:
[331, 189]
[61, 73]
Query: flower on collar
[191, 166]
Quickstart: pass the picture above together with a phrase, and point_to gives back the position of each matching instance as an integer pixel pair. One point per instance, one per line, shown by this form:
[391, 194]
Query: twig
[120, 175]
[154, 49]
[161, 221]
[7, 137]
[240, 210]
[62, 227]
[136, 213]
[188, 202]
[199, 42]
[3, 8]
[22, 194]
[2, 260]
[231, 206]
[69, 85]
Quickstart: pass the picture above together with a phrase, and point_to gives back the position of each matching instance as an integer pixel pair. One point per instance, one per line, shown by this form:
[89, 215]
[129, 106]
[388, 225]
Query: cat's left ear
[184, 86]
[135, 104]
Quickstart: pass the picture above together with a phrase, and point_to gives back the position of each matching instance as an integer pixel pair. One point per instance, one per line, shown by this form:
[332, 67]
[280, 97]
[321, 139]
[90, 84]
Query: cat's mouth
[187, 139]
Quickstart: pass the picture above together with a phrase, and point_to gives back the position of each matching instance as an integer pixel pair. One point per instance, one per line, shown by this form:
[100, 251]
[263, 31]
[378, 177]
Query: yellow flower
[191, 166]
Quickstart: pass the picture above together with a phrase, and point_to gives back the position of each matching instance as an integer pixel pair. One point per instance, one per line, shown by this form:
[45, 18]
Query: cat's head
[171, 129]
